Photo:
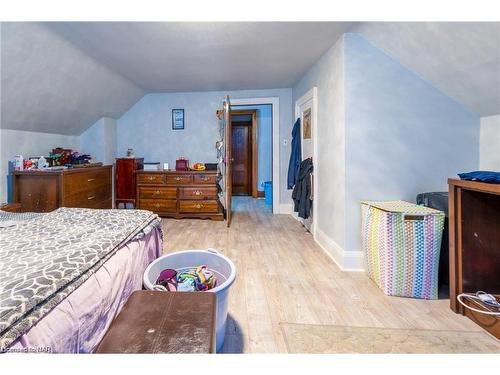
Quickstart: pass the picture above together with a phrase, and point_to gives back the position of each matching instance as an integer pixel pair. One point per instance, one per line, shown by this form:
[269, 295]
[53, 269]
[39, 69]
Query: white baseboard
[286, 209]
[352, 261]
[346, 260]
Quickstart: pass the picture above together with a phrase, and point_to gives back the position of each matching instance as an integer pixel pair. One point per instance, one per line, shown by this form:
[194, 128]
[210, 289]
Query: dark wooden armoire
[125, 191]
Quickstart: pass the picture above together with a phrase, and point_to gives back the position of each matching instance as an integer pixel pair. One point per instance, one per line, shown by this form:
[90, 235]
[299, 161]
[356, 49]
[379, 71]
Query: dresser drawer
[205, 178]
[194, 206]
[158, 205]
[103, 204]
[151, 178]
[88, 198]
[180, 179]
[157, 192]
[82, 181]
[198, 192]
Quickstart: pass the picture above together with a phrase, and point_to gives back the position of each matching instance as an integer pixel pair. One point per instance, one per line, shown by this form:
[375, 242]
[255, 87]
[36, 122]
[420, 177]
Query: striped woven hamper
[401, 243]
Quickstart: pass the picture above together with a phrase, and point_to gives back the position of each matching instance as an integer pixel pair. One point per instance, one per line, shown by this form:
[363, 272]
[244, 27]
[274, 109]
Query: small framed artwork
[177, 119]
[306, 118]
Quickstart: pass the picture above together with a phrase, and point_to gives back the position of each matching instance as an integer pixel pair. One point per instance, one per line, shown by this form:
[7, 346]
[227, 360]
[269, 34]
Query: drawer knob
[197, 192]
[205, 178]
[157, 192]
[90, 198]
[90, 179]
[157, 205]
[151, 178]
[198, 206]
[177, 179]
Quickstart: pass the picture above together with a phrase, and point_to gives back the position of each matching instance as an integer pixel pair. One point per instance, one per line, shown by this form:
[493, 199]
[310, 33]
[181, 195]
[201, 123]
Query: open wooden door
[228, 159]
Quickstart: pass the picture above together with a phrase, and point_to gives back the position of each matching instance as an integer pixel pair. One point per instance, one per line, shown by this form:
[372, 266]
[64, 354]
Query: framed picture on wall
[306, 119]
[177, 119]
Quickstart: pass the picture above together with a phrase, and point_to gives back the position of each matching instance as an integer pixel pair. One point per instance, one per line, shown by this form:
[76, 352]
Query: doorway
[244, 152]
[268, 120]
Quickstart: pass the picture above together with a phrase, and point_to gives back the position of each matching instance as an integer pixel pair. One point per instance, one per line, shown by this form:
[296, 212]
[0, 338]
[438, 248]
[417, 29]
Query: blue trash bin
[268, 192]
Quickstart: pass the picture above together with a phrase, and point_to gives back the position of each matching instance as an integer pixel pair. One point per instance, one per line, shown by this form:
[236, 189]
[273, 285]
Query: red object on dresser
[125, 191]
[182, 164]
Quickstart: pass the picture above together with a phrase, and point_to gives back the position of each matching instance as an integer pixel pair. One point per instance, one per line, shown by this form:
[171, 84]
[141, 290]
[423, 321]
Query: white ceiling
[197, 56]
[462, 59]
[62, 77]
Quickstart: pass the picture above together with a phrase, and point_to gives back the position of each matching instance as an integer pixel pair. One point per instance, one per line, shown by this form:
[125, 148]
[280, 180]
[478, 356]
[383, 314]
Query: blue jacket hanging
[295, 155]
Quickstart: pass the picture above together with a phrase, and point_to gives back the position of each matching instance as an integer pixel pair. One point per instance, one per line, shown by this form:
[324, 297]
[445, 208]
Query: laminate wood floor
[283, 276]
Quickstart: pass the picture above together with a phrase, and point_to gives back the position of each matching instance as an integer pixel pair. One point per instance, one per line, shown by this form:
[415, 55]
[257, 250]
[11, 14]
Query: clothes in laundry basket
[186, 286]
[196, 279]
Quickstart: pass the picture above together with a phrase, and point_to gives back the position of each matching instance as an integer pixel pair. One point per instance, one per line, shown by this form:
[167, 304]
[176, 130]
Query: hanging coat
[301, 194]
[295, 155]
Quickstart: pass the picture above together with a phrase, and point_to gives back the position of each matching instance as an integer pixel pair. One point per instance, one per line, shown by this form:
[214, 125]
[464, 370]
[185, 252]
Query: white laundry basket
[222, 267]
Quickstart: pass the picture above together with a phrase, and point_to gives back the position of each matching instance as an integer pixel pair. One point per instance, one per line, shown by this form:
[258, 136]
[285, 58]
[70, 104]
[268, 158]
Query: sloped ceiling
[49, 85]
[197, 56]
[62, 77]
[462, 59]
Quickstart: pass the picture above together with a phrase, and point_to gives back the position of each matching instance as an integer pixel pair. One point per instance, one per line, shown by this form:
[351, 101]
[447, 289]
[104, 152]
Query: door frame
[254, 147]
[275, 103]
[312, 94]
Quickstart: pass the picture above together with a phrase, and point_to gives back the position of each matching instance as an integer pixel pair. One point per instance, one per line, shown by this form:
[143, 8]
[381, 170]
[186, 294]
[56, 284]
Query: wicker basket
[401, 243]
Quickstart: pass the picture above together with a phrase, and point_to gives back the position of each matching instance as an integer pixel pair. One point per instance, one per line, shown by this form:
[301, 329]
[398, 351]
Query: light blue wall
[403, 136]
[264, 142]
[147, 127]
[327, 74]
[28, 144]
[384, 134]
[100, 141]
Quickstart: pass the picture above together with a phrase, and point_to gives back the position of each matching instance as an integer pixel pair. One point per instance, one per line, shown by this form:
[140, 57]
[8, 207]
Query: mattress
[65, 275]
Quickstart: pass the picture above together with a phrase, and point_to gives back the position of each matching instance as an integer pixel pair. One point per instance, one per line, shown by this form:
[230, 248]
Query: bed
[65, 275]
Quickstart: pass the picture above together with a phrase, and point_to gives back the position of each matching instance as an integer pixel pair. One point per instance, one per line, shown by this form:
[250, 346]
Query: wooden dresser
[44, 191]
[179, 194]
[474, 210]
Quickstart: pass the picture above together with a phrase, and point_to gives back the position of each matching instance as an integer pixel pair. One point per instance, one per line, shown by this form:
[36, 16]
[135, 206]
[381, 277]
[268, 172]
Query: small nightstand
[10, 207]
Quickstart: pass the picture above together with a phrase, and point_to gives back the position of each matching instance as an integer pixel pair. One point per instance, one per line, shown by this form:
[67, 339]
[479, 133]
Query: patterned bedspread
[45, 257]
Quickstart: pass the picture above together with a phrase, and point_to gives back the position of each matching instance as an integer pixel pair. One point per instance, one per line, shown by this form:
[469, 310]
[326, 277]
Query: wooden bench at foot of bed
[163, 322]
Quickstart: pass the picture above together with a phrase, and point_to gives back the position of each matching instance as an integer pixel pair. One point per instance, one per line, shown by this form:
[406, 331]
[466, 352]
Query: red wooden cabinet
[125, 190]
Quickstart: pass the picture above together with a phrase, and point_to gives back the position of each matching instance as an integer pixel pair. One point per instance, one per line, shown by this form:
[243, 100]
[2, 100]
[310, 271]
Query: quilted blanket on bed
[45, 257]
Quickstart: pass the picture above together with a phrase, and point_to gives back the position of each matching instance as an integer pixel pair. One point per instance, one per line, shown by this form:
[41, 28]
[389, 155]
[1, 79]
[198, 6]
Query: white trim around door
[275, 101]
